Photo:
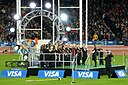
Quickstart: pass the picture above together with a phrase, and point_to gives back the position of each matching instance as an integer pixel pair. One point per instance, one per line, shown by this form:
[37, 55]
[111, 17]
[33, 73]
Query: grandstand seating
[108, 19]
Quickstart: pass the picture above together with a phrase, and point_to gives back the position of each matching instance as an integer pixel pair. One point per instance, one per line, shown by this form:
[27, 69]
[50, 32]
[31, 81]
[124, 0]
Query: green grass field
[34, 80]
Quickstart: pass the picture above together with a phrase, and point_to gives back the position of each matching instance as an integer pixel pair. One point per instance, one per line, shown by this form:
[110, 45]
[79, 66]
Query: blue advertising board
[14, 73]
[51, 73]
[120, 73]
[111, 42]
[85, 74]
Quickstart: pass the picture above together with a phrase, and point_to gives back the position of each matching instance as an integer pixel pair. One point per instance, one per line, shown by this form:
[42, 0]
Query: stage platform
[68, 71]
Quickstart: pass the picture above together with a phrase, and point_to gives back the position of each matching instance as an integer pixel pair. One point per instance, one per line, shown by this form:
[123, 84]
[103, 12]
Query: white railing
[74, 62]
[88, 62]
[125, 61]
[126, 68]
[51, 58]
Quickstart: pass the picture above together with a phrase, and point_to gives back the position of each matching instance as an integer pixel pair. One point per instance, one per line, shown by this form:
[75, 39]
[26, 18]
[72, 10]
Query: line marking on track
[40, 80]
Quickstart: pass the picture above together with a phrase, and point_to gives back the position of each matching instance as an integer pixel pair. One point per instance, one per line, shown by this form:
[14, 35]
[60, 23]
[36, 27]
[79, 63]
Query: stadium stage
[68, 71]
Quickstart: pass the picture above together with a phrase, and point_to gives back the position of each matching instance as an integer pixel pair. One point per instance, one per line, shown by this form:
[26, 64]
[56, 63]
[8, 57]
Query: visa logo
[85, 74]
[121, 73]
[51, 73]
[14, 73]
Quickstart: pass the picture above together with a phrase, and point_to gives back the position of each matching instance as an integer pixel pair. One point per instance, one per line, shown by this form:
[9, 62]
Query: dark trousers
[78, 60]
[95, 63]
[101, 62]
[108, 72]
[83, 60]
[41, 58]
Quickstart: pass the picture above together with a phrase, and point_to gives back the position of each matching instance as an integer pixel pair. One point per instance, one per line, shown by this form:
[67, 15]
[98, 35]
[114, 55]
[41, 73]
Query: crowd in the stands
[107, 20]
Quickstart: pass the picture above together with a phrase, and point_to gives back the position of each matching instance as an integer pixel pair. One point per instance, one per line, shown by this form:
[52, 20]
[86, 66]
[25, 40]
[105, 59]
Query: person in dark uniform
[94, 55]
[108, 60]
[78, 55]
[101, 60]
[84, 56]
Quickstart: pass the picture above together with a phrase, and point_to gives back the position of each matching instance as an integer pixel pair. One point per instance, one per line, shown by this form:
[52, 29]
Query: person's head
[101, 49]
[27, 40]
[108, 52]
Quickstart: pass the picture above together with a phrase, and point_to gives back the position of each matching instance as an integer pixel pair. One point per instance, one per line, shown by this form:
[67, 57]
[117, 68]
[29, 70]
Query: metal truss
[37, 13]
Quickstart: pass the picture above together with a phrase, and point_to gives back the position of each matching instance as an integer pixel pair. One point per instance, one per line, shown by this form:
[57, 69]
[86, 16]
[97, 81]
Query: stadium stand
[107, 19]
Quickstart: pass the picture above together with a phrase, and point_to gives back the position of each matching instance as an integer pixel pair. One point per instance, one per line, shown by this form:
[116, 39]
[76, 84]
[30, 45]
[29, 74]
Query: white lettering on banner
[85, 74]
[121, 73]
[51, 73]
[14, 73]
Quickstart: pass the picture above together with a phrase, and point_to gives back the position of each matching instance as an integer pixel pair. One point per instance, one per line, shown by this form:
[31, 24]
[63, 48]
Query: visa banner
[85, 74]
[120, 73]
[14, 73]
[51, 73]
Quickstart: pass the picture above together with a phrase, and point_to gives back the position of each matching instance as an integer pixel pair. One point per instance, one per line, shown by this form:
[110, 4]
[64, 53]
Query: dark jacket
[94, 55]
[108, 60]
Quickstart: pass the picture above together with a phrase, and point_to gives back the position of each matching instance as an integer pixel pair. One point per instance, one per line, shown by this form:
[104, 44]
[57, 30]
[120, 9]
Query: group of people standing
[99, 52]
[80, 53]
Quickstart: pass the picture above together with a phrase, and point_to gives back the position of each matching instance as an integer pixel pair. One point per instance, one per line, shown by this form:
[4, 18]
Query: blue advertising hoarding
[51, 73]
[120, 73]
[14, 73]
[85, 74]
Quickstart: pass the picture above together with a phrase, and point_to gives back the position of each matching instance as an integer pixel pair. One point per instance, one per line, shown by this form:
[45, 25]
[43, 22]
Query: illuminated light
[65, 39]
[68, 29]
[16, 17]
[64, 17]
[48, 5]
[12, 29]
[32, 5]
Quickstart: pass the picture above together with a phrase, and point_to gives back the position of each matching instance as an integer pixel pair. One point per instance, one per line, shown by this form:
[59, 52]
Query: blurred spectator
[95, 37]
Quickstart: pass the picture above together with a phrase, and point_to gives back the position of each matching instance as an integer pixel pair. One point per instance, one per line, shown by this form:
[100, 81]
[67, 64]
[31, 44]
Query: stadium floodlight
[32, 5]
[12, 29]
[16, 17]
[48, 5]
[68, 29]
[64, 17]
[65, 39]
